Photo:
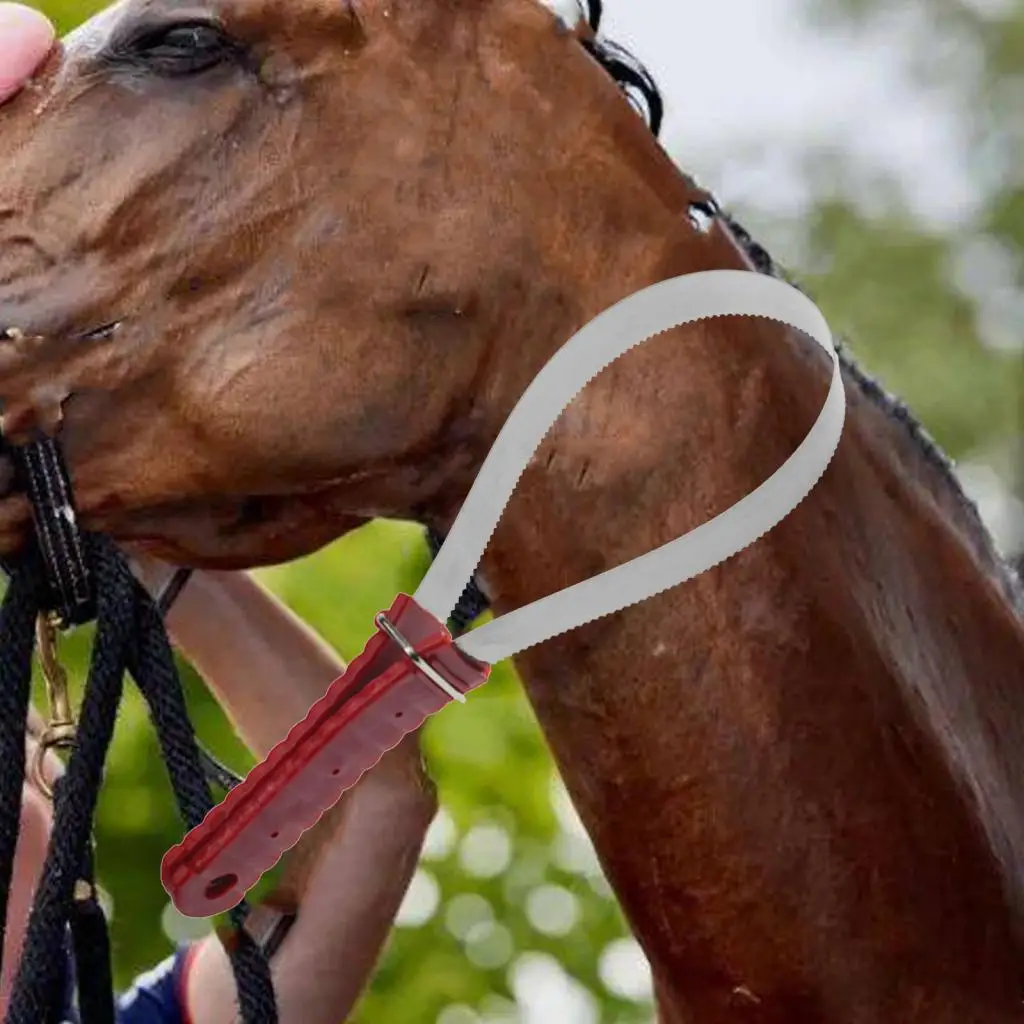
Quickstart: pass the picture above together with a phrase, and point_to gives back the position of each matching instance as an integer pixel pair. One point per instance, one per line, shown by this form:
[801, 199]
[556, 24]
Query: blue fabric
[152, 998]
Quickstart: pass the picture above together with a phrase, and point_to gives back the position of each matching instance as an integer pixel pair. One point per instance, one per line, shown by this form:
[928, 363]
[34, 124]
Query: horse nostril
[252, 512]
[102, 333]
[17, 336]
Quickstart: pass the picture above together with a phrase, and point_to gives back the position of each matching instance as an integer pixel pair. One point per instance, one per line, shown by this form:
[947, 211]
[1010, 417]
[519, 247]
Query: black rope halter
[67, 578]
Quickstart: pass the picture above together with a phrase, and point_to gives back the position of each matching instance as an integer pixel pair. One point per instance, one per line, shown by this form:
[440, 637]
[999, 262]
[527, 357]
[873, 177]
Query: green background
[885, 281]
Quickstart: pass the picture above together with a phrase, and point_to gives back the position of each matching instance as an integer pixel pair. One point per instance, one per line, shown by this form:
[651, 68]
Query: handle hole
[274, 835]
[220, 885]
[398, 714]
[337, 771]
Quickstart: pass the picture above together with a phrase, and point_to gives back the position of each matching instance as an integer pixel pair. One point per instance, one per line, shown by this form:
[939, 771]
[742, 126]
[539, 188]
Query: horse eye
[178, 50]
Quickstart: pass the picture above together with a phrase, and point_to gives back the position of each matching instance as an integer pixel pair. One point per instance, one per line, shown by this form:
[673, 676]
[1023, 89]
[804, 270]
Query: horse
[273, 270]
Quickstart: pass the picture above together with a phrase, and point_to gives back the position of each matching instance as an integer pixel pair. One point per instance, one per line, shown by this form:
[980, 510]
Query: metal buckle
[386, 626]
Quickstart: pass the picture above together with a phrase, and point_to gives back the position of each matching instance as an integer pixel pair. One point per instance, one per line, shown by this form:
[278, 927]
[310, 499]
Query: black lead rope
[40, 979]
[216, 773]
[77, 577]
[91, 947]
[17, 641]
[129, 634]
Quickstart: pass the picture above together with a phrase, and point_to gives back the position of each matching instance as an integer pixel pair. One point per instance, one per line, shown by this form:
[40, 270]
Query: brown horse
[281, 267]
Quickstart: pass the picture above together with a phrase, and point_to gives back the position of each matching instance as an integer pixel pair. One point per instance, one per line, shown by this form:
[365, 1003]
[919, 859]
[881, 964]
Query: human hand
[26, 37]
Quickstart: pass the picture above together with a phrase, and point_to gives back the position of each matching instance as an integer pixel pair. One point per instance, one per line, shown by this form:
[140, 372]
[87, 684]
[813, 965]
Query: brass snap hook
[59, 733]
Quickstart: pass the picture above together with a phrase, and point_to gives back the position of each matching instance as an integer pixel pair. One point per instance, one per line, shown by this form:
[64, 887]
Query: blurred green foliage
[509, 880]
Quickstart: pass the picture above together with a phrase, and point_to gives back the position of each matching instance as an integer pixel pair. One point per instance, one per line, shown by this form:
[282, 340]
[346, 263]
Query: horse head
[271, 270]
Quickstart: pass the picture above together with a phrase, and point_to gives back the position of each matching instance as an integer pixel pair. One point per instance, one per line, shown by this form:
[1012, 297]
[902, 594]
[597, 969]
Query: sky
[740, 122]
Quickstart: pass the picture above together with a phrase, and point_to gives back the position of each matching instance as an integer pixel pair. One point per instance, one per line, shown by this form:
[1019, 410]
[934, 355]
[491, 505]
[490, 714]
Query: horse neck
[854, 677]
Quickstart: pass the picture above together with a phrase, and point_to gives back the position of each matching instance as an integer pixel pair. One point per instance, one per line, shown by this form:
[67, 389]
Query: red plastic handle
[381, 698]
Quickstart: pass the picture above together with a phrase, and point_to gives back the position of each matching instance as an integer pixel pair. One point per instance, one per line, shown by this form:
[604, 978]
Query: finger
[26, 37]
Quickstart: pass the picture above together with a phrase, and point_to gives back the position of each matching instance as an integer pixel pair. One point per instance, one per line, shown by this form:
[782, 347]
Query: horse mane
[643, 92]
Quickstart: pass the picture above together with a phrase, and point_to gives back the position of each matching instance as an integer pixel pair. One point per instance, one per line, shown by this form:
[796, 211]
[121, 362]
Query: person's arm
[266, 668]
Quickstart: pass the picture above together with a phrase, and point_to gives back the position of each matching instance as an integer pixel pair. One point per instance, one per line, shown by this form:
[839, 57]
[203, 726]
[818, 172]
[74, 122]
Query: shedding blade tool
[382, 697]
[411, 666]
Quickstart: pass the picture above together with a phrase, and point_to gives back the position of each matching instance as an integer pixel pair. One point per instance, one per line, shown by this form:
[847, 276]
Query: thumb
[26, 37]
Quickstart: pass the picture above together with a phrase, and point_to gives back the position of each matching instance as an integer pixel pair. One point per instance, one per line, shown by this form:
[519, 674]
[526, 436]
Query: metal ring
[387, 627]
[51, 739]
